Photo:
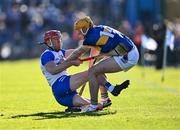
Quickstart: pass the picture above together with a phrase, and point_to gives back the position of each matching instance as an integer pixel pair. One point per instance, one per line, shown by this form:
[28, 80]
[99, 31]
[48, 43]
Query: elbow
[52, 72]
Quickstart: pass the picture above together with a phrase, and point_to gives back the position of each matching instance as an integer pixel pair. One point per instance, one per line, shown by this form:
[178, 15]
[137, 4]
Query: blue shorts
[62, 92]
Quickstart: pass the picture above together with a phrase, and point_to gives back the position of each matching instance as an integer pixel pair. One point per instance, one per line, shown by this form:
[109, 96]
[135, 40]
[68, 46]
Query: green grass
[26, 101]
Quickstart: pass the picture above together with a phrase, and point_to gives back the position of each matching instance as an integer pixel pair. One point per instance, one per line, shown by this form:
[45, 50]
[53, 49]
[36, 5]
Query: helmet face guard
[49, 36]
[83, 24]
[84, 30]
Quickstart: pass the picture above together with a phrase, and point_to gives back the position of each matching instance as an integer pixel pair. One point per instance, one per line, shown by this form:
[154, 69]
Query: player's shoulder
[95, 30]
[103, 27]
[47, 56]
[47, 52]
[99, 27]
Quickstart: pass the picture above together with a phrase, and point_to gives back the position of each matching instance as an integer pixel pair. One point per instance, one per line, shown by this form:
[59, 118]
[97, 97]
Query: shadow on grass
[56, 114]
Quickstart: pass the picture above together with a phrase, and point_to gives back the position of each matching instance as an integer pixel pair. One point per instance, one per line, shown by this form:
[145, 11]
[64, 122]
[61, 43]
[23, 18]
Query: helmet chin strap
[51, 45]
[84, 33]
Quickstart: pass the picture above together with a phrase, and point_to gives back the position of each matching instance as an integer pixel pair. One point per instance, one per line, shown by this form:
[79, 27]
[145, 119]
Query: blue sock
[109, 87]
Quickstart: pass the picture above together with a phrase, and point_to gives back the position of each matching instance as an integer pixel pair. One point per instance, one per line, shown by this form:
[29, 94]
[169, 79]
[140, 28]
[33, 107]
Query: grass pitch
[26, 101]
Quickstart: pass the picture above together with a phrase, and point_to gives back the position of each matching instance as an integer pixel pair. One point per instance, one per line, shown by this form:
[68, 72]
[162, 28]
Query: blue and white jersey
[57, 58]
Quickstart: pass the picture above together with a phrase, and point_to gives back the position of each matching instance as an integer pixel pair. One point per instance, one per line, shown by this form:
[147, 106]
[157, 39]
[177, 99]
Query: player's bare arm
[68, 52]
[78, 52]
[52, 68]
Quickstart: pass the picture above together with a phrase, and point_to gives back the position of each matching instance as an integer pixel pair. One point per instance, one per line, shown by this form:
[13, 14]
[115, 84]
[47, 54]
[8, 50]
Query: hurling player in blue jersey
[122, 53]
[54, 64]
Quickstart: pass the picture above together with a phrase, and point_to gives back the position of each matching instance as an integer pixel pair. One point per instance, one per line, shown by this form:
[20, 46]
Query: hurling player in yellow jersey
[122, 53]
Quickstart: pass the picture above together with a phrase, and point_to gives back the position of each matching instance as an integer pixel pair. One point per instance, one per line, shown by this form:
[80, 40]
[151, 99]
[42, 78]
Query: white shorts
[128, 62]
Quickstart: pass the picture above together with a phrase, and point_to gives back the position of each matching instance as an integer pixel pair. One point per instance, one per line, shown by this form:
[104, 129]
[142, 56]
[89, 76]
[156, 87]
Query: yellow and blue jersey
[107, 39]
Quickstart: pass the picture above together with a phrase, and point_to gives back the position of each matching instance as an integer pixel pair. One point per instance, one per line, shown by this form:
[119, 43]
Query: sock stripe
[109, 87]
